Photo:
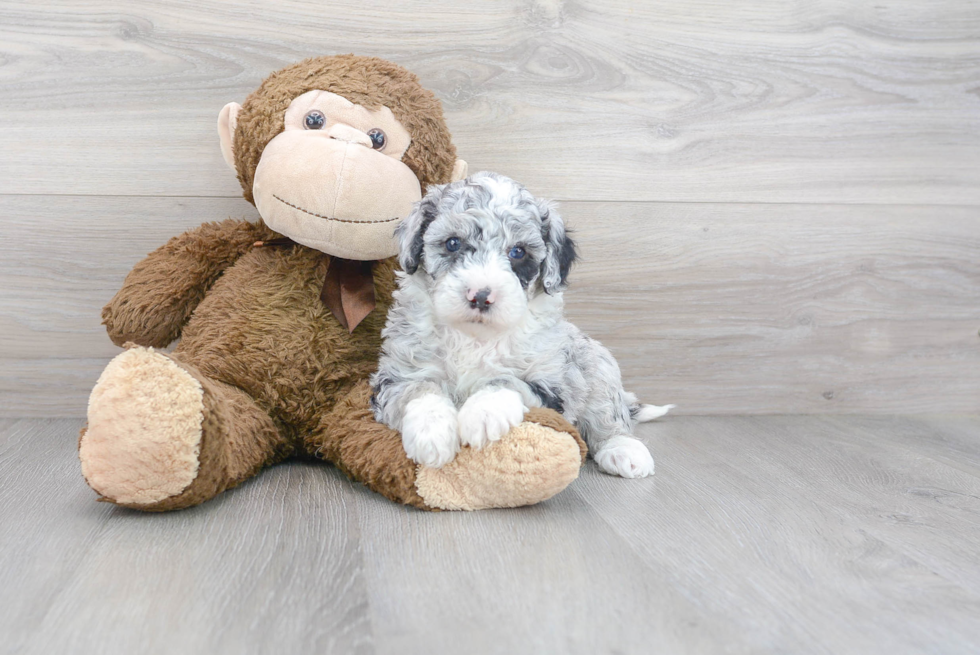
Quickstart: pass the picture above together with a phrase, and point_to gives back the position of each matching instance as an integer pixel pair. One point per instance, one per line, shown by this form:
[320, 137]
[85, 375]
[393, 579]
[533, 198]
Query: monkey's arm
[161, 291]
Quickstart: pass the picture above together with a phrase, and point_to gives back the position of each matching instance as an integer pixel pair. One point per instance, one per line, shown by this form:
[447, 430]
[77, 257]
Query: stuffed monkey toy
[280, 321]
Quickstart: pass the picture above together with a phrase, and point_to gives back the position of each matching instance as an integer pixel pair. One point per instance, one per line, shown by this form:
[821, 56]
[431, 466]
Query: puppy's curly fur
[476, 332]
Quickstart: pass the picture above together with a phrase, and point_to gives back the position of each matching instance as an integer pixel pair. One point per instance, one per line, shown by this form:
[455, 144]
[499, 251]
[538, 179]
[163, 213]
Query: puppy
[476, 333]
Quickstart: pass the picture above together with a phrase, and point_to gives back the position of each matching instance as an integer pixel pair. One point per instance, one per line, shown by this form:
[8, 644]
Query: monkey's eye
[378, 139]
[453, 244]
[314, 120]
[517, 252]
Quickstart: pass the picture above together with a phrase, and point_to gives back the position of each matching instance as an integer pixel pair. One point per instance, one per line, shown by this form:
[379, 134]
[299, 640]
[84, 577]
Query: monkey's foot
[531, 463]
[143, 439]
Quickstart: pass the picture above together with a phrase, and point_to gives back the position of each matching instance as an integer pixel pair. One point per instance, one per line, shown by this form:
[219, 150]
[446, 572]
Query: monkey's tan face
[333, 179]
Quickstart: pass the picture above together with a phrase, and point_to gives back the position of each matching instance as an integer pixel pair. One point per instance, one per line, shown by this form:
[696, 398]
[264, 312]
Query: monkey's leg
[532, 463]
[162, 436]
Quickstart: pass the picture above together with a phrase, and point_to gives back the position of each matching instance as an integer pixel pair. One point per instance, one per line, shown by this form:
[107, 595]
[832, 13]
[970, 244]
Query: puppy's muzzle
[481, 300]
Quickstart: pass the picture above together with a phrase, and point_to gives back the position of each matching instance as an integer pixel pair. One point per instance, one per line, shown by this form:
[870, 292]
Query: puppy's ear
[561, 249]
[411, 231]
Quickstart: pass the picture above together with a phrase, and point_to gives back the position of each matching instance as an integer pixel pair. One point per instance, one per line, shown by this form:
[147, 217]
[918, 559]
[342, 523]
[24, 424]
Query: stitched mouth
[328, 218]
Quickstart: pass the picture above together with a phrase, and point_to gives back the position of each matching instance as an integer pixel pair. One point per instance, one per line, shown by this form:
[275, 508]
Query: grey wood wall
[778, 203]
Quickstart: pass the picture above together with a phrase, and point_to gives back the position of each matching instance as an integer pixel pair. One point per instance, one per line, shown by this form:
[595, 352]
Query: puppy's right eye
[452, 244]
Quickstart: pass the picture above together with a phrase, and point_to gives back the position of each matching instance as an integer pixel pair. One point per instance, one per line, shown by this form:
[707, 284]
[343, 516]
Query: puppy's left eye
[452, 244]
[517, 252]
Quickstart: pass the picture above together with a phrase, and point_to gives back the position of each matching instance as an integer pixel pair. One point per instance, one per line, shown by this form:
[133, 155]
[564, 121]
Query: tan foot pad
[144, 429]
[530, 464]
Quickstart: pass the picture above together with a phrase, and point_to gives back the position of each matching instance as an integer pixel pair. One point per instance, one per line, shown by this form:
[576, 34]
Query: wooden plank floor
[779, 534]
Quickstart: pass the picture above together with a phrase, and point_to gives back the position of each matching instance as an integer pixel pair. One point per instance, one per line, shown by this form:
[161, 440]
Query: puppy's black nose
[481, 300]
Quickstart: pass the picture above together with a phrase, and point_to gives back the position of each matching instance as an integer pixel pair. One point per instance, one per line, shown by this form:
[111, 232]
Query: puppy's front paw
[624, 456]
[429, 432]
[488, 415]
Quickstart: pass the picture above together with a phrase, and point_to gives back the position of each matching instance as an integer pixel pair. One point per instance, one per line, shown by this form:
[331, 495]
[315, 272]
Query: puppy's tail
[644, 413]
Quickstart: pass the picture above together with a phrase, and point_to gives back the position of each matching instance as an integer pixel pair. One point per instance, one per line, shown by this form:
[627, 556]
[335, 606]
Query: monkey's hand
[161, 291]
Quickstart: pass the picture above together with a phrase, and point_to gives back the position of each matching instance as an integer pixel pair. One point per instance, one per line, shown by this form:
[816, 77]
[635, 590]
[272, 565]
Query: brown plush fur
[280, 375]
[161, 291]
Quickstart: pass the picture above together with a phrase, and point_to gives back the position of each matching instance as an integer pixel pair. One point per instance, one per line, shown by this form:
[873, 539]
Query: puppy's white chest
[480, 359]
[470, 366]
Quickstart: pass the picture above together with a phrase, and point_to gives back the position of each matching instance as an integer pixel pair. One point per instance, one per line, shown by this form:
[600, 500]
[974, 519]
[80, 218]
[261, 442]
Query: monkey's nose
[342, 132]
[481, 299]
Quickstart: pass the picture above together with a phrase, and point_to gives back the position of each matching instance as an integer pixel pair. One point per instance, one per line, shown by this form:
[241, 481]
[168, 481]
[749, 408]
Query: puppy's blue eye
[516, 252]
[452, 244]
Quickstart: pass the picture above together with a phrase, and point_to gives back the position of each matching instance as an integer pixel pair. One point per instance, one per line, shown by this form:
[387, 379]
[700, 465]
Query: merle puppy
[476, 332]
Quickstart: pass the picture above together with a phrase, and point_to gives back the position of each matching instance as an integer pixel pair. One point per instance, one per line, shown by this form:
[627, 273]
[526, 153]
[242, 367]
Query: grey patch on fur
[549, 397]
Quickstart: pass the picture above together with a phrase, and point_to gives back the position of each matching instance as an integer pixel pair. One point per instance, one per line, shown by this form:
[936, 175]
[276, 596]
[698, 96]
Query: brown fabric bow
[348, 289]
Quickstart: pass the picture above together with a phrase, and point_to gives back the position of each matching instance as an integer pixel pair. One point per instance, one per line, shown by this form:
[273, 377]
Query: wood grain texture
[83, 577]
[785, 308]
[756, 535]
[720, 308]
[546, 579]
[697, 101]
[806, 531]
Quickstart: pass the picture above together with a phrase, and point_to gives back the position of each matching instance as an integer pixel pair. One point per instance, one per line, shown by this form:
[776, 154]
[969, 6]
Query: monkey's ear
[460, 169]
[561, 251]
[411, 231]
[227, 120]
